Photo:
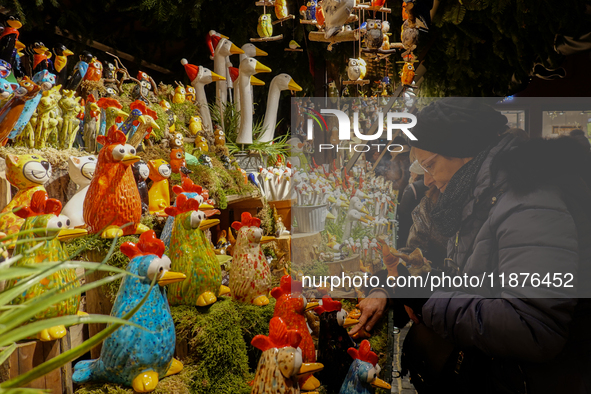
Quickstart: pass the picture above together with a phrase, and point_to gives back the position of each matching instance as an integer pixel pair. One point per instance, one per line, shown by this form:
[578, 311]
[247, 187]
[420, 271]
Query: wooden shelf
[265, 3]
[344, 36]
[308, 22]
[380, 51]
[266, 39]
[294, 50]
[368, 7]
[358, 82]
[352, 18]
[283, 19]
[235, 198]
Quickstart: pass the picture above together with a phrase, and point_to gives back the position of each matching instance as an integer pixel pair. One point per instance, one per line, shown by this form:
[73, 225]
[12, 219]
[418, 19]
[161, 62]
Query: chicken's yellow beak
[67, 52]
[121, 113]
[154, 124]
[171, 277]
[330, 216]
[234, 50]
[266, 238]
[19, 46]
[70, 233]
[207, 223]
[332, 199]
[261, 68]
[294, 86]
[311, 305]
[307, 368]
[349, 322]
[94, 107]
[259, 52]
[216, 77]
[203, 206]
[130, 159]
[141, 119]
[15, 24]
[255, 81]
[381, 384]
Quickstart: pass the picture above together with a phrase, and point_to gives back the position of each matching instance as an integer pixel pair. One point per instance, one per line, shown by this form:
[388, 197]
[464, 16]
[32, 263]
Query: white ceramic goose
[249, 51]
[221, 65]
[81, 170]
[248, 67]
[279, 83]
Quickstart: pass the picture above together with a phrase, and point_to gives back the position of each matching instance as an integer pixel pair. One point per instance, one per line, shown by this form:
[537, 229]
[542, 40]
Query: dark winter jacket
[410, 199]
[508, 228]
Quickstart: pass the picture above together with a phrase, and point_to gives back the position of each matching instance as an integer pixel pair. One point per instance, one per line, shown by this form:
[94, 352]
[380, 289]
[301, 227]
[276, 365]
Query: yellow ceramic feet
[145, 382]
[50, 334]
[310, 384]
[261, 301]
[175, 367]
[112, 232]
[141, 228]
[206, 298]
[224, 290]
[80, 313]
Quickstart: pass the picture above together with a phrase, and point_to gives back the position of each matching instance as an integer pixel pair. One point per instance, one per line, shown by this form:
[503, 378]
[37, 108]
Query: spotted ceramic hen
[192, 253]
[250, 277]
[280, 365]
[113, 199]
[290, 307]
[132, 356]
[43, 214]
[363, 372]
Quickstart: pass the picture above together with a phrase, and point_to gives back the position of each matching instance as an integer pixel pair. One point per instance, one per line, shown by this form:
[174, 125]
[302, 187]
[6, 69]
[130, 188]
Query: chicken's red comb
[246, 220]
[106, 102]
[148, 244]
[91, 98]
[114, 136]
[287, 286]
[188, 186]
[364, 353]
[279, 337]
[234, 73]
[41, 204]
[328, 305]
[138, 104]
[183, 204]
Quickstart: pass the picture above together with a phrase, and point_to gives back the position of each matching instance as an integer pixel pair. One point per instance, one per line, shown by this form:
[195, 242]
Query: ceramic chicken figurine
[195, 125]
[191, 251]
[134, 119]
[12, 110]
[264, 27]
[132, 356]
[363, 372]
[281, 364]
[159, 193]
[81, 171]
[110, 115]
[144, 129]
[28, 173]
[250, 278]
[70, 107]
[290, 307]
[44, 214]
[141, 172]
[113, 199]
[190, 96]
[333, 343]
[60, 62]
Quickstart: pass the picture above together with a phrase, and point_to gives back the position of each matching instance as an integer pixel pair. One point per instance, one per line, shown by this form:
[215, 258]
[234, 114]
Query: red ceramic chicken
[290, 307]
[250, 278]
[113, 199]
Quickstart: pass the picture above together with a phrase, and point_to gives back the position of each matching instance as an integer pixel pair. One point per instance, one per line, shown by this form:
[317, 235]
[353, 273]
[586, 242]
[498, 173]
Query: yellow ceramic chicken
[159, 194]
[179, 94]
[195, 125]
[201, 144]
[265, 28]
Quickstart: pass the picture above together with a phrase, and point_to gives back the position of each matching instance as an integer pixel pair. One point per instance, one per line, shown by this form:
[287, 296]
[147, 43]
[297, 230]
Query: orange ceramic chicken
[113, 199]
[159, 193]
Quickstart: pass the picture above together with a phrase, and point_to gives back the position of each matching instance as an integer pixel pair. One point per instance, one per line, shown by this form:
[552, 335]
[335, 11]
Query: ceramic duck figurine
[279, 83]
[290, 307]
[81, 171]
[12, 110]
[280, 365]
[70, 107]
[250, 278]
[60, 62]
[113, 199]
[44, 213]
[363, 372]
[131, 356]
[248, 67]
[159, 193]
[191, 251]
[141, 172]
[28, 173]
[223, 50]
[333, 343]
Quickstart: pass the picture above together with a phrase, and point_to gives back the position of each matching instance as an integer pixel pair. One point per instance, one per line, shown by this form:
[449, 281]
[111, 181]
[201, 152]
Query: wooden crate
[29, 355]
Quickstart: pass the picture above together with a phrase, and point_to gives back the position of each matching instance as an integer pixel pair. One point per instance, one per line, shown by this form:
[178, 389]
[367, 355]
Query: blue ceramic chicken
[363, 373]
[131, 356]
[133, 120]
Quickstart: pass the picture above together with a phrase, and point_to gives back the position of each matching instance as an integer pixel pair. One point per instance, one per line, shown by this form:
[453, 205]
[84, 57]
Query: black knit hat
[457, 127]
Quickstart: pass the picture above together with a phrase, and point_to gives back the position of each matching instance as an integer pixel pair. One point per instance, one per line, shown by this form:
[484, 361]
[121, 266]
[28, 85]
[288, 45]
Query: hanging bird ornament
[407, 74]
[265, 27]
[336, 13]
[409, 38]
[374, 36]
[133, 356]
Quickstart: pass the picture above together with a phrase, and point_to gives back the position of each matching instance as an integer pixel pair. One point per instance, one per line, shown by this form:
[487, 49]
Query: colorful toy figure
[12, 110]
[41, 55]
[264, 27]
[363, 373]
[144, 129]
[177, 162]
[190, 96]
[195, 125]
[47, 119]
[280, 365]
[132, 356]
[60, 61]
[8, 39]
[70, 107]
[250, 277]
[179, 94]
[113, 198]
[407, 74]
[290, 307]
[141, 172]
[80, 70]
[159, 193]
[192, 252]
[81, 171]
[28, 173]
[333, 343]
[94, 72]
[281, 9]
[44, 214]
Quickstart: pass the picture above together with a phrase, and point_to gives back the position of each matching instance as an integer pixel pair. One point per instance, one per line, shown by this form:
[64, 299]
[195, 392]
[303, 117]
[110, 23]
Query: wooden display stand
[303, 247]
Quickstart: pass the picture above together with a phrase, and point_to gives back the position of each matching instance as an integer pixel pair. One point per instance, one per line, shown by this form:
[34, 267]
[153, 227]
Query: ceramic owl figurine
[408, 74]
[265, 27]
[195, 125]
[353, 70]
[374, 36]
[159, 193]
[250, 278]
[81, 171]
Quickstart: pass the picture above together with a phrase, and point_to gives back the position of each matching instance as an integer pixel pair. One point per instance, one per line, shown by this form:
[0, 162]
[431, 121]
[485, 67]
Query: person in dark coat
[579, 136]
[508, 208]
[411, 197]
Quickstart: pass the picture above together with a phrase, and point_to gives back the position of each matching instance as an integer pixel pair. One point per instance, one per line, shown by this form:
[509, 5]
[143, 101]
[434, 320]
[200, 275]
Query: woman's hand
[372, 309]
